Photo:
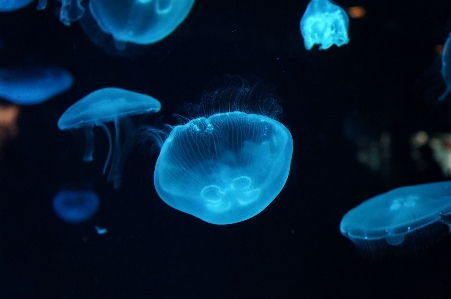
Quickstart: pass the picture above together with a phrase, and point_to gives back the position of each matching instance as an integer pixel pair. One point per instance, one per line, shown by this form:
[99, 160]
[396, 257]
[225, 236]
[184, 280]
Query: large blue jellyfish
[324, 23]
[106, 105]
[10, 5]
[75, 206]
[33, 85]
[404, 218]
[228, 166]
[446, 67]
[141, 22]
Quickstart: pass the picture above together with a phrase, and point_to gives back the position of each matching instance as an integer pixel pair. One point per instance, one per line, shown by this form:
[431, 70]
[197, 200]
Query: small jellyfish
[75, 206]
[33, 85]
[71, 10]
[10, 5]
[324, 23]
[228, 166]
[404, 218]
[446, 67]
[139, 21]
[106, 105]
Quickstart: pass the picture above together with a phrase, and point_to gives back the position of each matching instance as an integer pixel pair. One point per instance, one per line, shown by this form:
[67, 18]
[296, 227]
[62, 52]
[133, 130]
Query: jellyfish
[141, 22]
[106, 105]
[403, 218]
[324, 23]
[228, 166]
[33, 85]
[71, 10]
[11, 5]
[75, 206]
[446, 67]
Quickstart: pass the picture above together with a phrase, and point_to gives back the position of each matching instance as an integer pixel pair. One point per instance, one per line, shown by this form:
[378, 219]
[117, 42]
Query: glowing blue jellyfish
[10, 5]
[446, 67]
[32, 85]
[139, 21]
[324, 23]
[71, 10]
[75, 206]
[106, 105]
[226, 167]
[404, 218]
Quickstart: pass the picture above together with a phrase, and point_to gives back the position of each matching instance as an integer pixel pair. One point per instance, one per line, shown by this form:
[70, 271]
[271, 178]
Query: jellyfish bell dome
[75, 206]
[139, 21]
[11, 5]
[225, 167]
[109, 105]
[403, 218]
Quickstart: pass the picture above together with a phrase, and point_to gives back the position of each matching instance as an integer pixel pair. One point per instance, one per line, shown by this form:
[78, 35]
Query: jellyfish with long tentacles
[109, 105]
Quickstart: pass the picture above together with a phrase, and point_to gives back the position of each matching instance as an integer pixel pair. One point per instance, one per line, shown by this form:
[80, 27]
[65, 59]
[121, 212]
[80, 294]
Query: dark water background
[385, 80]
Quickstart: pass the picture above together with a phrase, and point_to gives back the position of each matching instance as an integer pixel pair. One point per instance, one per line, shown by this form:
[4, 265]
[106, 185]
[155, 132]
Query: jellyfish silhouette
[33, 85]
[404, 218]
[226, 166]
[11, 5]
[106, 105]
[71, 10]
[324, 23]
[75, 206]
[139, 22]
[446, 67]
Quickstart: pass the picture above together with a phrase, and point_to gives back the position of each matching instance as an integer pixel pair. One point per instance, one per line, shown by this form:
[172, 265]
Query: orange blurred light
[8, 122]
[356, 12]
[438, 49]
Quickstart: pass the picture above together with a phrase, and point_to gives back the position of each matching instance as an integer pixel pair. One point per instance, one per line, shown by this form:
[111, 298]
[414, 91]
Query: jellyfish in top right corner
[402, 219]
[446, 67]
[325, 24]
[228, 166]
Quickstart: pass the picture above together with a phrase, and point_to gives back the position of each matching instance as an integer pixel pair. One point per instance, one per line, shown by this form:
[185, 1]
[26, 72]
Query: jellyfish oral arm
[89, 144]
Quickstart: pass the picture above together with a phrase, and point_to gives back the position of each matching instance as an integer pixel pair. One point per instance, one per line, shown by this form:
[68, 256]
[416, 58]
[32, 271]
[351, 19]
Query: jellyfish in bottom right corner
[228, 166]
[405, 218]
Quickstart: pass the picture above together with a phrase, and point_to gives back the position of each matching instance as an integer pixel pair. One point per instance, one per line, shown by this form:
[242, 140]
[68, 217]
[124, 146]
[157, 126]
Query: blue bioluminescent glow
[139, 21]
[226, 167]
[75, 206]
[407, 217]
[106, 105]
[446, 67]
[33, 85]
[325, 24]
[71, 10]
[10, 5]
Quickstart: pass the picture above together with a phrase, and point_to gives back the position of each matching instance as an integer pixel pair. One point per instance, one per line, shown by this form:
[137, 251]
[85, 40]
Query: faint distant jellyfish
[75, 206]
[140, 22]
[11, 5]
[225, 167]
[33, 85]
[403, 218]
[446, 67]
[324, 23]
[71, 10]
[106, 105]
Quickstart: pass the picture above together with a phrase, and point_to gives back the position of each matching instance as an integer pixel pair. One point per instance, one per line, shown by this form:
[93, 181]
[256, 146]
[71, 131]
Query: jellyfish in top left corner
[33, 85]
[71, 10]
[138, 22]
[109, 105]
[75, 206]
[325, 24]
[11, 5]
